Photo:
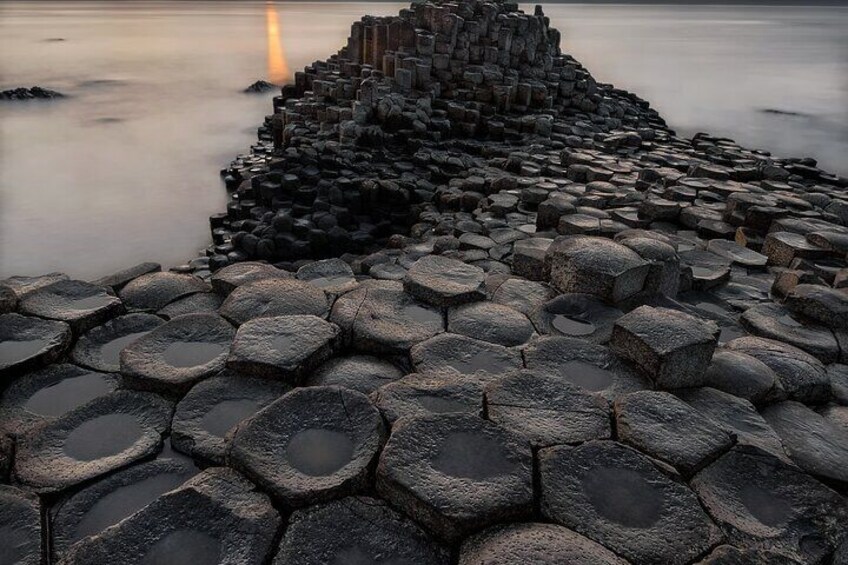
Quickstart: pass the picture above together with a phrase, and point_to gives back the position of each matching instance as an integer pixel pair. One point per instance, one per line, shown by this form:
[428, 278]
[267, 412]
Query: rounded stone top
[461, 354]
[429, 393]
[81, 304]
[154, 291]
[274, 297]
[488, 321]
[233, 276]
[596, 253]
[331, 275]
[443, 281]
[362, 373]
[100, 347]
[27, 342]
[312, 445]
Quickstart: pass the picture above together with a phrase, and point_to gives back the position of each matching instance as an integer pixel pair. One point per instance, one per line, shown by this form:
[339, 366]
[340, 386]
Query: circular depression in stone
[100, 347]
[572, 326]
[577, 315]
[192, 353]
[184, 547]
[587, 376]
[311, 445]
[27, 343]
[81, 304]
[438, 393]
[103, 436]
[765, 506]
[623, 496]
[471, 456]
[362, 373]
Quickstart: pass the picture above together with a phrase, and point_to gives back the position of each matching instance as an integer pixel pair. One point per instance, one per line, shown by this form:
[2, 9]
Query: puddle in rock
[89, 303]
[439, 405]
[67, 394]
[472, 456]
[111, 352]
[224, 415]
[102, 436]
[420, 314]
[572, 326]
[765, 506]
[184, 547]
[318, 453]
[587, 376]
[13, 351]
[623, 496]
[192, 353]
[126, 500]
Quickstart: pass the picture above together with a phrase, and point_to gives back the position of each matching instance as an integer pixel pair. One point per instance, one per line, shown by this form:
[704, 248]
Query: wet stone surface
[80, 304]
[443, 282]
[418, 394]
[274, 297]
[490, 322]
[579, 316]
[100, 348]
[27, 343]
[154, 291]
[226, 280]
[20, 527]
[461, 354]
[362, 373]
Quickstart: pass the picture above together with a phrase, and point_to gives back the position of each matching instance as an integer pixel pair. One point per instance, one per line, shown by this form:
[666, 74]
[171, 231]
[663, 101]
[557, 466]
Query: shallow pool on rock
[192, 353]
[68, 394]
[224, 415]
[103, 436]
[586, 375]
[318, 452]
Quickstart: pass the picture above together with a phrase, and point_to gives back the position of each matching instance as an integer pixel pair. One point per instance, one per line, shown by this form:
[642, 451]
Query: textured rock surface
[101, 347]
[27, 342]
[80, 304]
[20, 527]
[274, 297]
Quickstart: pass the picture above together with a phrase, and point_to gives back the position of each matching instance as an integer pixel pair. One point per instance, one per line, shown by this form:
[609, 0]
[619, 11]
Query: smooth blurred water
[126, 169]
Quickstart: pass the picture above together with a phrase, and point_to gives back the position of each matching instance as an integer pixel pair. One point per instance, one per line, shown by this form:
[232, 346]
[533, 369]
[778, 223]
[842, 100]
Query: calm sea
[126, 169]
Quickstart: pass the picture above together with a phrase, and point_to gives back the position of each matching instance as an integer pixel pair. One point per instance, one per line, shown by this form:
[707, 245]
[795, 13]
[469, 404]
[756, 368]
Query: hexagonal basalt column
[619, 498]
[107, 433]
[362, 373]
[238, 274]
[274, 297]
[100, 348]
[154, 291]
[443, 282]
[356, 530]
[20, 527]
[671, 347]
[597, 266]
[216, 517]
[28, 343]
[490, 322]
[460, 354]
[577, 315]
[429, 393]
[177, 354]
[456, 473]
[284, 347]
[312, 445]
[80, 304]
[773, 321]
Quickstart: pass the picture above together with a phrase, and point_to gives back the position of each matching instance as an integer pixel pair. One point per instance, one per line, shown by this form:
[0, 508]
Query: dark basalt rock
[356, 531]
[578, 316]
[444, 282]
[8, 299]
[33, 93]
[528, 258]
[825, 305]
[838, 376]
[100, 348]
[729, 555]
[213, 408]
[490, 322]
[332, 275]
[620, 499]
[274, 297]
[261, 87]
[312, 445]
[45, 395]
[226, 280]
[20, 527]
[283, 347]
[108, 501]
[524, 296]
[738, 254]
[802, 377]
[419, 394]
[177, 354]
[761, 502]
[216, 517]
[814, 443]
[664, 274]
[773, 321]
[742, 375]
[672, 347]
[666, 428]
[539, 544]
[27, 343]
[547, 410]
[80, 304]
[362, 373]
[116, 281]
[464, 355]
[456, 473]
[22, 285]
[7, 449]
[591, 367]
[154, 291]
[199, 303]
[105, 434]
[379, 317]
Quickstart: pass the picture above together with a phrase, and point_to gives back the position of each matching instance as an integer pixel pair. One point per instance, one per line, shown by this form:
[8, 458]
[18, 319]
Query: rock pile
[34, 93]
[571, 336]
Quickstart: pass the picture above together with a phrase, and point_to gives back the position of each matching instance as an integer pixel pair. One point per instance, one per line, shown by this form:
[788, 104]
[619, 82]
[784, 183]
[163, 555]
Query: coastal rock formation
[466, 304]
[34, 93]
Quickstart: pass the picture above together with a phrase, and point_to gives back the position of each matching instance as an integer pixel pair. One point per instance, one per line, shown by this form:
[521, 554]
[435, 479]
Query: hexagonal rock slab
[23, 285]
[490, 322]
[283, 347]
[27, 343]
[80, 304]
[620, 499]
[773, 321]
[577, 315]
[45, 395]
[108, 501]
[591, 367]
[356, 530]
[838, 376]
[738, 254]
[312, 445]
[672, 347]
[782, 247]
[192, 304]
[100, 348]
[7, 447]
[736, 416]
[460, 354]
[233, 276]
[762, 502]
[177, 354]
[442, 281]
[8, 299]
[109, 432]
[332, 275]
[456, 473]
[802, 377]
[597, 266]
[216, 517]
[534, 544]
[547, 410]
[149, 293]
[524, 296]
[418, 394]
[274, 297]
[20, 527]
[729, 555]
[742, 375]
[380, 317]
[119, 279]
[362, 373]
[813, 442]
[666, 428]
[826, 305]
[213, 408]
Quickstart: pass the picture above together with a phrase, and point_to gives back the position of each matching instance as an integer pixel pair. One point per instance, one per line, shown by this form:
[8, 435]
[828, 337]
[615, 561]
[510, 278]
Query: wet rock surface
[274, 297]
[154, 291]
[27, 342]
[20, 527]
[100, 348]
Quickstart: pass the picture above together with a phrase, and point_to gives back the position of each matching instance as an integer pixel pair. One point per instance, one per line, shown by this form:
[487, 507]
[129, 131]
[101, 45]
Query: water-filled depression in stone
[472, 456]
[623, 496]
[192, 353]
[224, 415]
[110, 352]
[586, 375]
[319, 453]
[102, 436]
[67, 394]
[184, 547]
[765, 506]
[14, 351]
[572, 326]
